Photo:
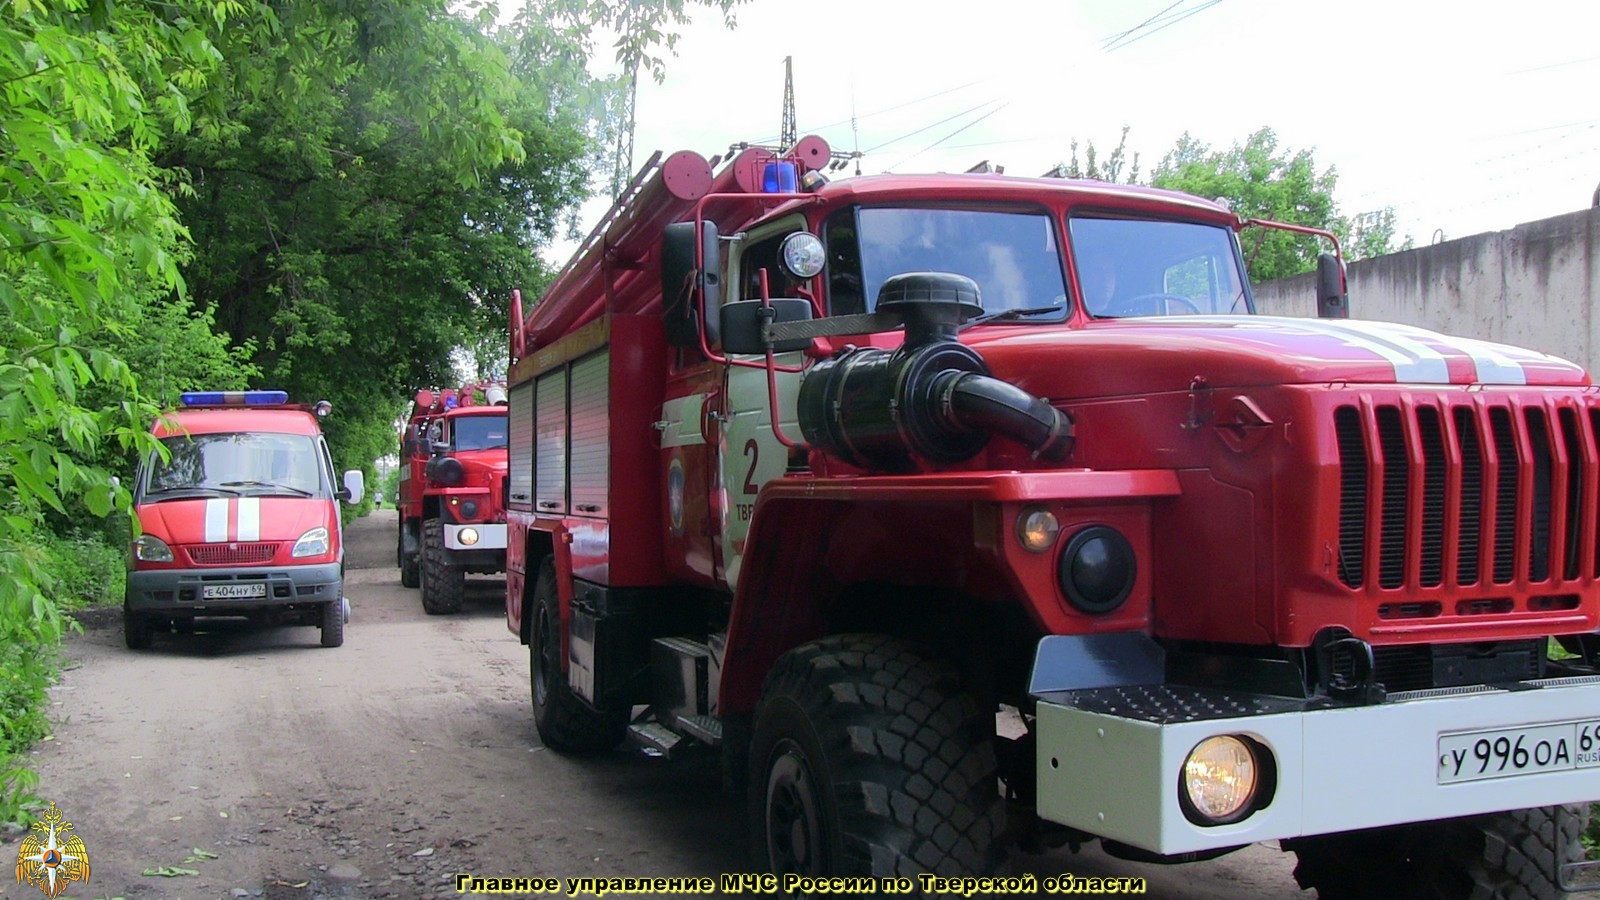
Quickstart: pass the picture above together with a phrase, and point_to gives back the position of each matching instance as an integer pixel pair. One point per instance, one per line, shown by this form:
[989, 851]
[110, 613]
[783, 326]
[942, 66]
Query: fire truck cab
[238, 517]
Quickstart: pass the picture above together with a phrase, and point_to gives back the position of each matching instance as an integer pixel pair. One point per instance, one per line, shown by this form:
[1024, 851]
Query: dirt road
[384, 767]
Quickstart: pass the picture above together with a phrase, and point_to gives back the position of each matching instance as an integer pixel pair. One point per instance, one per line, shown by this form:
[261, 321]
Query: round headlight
[1097, 569]
[469, 509]
[1037, 529]
[468, 536]
[1220, 778]
[802, 254]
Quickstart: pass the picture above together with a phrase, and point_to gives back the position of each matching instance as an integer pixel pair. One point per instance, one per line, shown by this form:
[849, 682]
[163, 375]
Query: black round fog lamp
[1096, 569]
[469, 509]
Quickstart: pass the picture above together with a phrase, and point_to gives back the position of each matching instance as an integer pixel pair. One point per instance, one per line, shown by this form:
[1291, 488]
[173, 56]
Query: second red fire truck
[452, 492]
[959, 511]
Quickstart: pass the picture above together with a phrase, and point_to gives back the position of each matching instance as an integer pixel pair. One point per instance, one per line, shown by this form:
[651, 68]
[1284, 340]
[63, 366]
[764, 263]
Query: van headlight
[1221, 778]
[312, 543]
[149, 548]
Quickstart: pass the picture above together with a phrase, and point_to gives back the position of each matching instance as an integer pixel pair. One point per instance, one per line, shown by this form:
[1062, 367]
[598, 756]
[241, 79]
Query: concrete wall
[1533, 286]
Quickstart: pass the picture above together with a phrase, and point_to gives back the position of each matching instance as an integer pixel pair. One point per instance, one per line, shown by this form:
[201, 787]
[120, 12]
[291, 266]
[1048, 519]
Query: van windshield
[236, 463]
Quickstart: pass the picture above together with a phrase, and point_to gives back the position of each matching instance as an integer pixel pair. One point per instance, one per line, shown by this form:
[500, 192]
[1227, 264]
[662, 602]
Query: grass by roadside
[79, 570]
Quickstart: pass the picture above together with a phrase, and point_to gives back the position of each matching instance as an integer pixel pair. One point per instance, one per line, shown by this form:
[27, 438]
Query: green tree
[1094, 168]
[1260, 180]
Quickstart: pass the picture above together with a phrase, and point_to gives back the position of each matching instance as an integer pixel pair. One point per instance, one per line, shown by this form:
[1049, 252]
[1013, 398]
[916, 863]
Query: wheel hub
[794, 820]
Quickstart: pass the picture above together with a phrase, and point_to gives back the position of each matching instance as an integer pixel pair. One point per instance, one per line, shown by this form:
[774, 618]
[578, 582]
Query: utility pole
[788, 134]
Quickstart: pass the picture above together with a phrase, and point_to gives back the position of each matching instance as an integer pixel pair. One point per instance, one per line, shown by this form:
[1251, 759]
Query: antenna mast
[789, 134]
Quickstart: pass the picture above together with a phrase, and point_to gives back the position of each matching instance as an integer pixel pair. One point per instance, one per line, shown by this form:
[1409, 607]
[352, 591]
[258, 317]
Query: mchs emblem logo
[50, 857]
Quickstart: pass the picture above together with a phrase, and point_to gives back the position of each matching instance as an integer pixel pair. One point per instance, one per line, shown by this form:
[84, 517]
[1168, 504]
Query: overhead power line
[949, 136]
[1105, 43]
[1162, 20]
[912, 134]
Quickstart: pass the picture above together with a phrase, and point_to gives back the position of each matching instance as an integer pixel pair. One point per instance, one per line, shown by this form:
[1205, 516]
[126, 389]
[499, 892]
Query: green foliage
[1110, 169]
[84, 568]
[390, 485]
[1259, 180]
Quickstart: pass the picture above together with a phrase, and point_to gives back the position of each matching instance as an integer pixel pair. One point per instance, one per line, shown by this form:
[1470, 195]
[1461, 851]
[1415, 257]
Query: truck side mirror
[683, 285]
[1332, 300]
[743, 321]
[355, 485]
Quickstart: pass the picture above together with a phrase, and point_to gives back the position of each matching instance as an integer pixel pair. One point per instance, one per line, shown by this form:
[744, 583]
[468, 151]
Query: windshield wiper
[302, 492]
[1008, 314]
[189, 493]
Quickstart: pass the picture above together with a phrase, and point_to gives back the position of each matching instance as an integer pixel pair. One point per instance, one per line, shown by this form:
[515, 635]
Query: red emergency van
[239, 519]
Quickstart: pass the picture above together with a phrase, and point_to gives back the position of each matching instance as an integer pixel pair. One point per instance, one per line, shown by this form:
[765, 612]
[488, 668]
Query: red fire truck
[238, 519]
[959, 511]
[452, 492]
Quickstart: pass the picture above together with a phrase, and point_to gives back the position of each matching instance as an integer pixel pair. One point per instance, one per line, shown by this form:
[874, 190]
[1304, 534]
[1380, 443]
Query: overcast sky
[1464, 116]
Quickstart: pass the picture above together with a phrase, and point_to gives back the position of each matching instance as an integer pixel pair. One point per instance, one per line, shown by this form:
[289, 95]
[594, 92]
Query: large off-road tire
[870, 758]
[138, 629]
[333, 623]
[566, 722]
[444, 586]
[1507, 856]
[410, 563]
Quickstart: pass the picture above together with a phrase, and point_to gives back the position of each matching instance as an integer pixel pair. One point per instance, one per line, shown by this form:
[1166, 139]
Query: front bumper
[490, 537]
[173, 590]
[1110, 759]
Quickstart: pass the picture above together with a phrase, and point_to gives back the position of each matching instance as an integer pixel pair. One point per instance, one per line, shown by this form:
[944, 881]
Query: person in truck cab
[1097, 283]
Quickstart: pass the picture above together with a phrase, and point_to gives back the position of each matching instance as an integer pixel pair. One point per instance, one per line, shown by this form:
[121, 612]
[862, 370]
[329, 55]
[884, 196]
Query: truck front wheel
[1513, 854]
[566, 723]
[410, 564]
[870, 758]
[444, 586]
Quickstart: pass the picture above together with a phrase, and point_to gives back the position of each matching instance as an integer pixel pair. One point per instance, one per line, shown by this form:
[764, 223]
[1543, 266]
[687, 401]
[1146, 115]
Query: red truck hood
[1151, 355]
[492, 460]
[225, 519]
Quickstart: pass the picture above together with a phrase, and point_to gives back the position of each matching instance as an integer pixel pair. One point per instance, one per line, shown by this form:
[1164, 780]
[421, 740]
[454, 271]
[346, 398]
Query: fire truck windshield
[478, 432]
[1143, 267]
[236, 463]
[1013, 256]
